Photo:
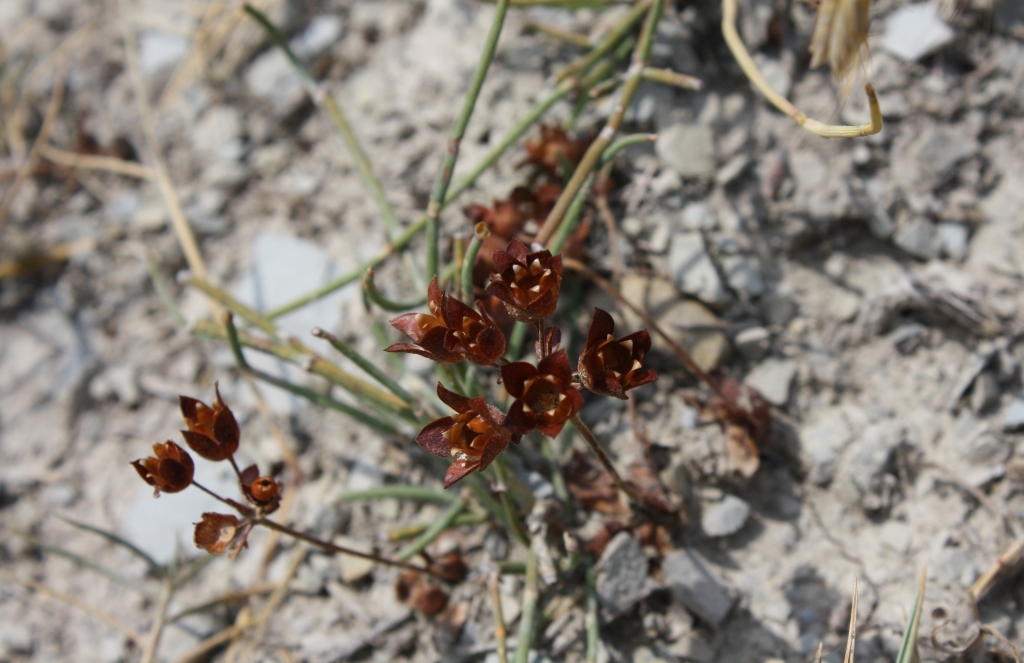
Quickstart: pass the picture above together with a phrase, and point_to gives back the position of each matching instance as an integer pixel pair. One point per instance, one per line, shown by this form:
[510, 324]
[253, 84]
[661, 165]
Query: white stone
[915, 30]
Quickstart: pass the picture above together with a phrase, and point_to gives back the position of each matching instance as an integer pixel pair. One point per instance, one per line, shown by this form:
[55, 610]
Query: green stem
[326, 102]
[435, 530]
[527, 620]
[516, 340]
[611, 40]
[480, 233]
[515, 526]
[399, 492]
[592, 157]
[298, 354]
[415, 530]
[365, 364]
[378, 298]
[444, 177]
[403, 241]
[572, 215]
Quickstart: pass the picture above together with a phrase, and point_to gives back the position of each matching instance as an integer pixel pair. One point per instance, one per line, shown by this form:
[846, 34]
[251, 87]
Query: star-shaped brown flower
[429, 333]
[475, 435]
[612, 367]
[170, 471]
[545, 396]
[527, 283]
[212, 432]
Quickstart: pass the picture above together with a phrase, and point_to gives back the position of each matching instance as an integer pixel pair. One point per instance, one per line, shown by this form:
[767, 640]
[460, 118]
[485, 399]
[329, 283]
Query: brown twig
[602, 456]
[166, 591]
[96, 162]
[1009, 563]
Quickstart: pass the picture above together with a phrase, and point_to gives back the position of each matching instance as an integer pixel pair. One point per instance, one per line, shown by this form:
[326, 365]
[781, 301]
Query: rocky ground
[869, 289]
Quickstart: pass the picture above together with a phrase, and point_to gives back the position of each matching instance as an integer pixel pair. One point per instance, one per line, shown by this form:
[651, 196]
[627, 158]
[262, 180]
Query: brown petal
[189, 408]
[206, 446]
[515, 374]
[408, 325]
[432, 438]
[459, 469]
[556, 364]
[455, 401]
[601, 327]
[226, 431]
[517, 421]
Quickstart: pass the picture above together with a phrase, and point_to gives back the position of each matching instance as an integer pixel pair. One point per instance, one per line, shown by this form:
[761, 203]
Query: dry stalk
[749, 67]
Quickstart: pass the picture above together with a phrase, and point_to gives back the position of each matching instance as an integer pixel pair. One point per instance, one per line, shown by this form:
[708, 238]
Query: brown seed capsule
[216, 532]
[265, 490]
[212, 432]
[545, 396]
[430, 334]
[475, 435]
[612, 367]
[170, 471]
[526, 282]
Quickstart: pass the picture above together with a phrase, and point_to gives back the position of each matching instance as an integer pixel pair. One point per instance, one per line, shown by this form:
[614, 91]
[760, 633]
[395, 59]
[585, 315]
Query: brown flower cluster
[552, 157]
[212, 433]
[546, 394]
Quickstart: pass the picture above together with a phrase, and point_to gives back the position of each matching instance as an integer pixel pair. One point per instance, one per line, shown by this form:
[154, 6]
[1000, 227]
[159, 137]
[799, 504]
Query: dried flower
[612, 367]
[170, 472]
[475, 435]
[545, 396]
[216, 532]
[420, 594]
[505, 218]
[212, 432]
[554, 152]
[429, 333]
[474, 335]
[526, 282]
[260, 490]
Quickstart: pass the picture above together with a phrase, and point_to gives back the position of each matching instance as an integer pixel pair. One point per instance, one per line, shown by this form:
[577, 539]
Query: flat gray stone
[321, 33]
[918, 237]
[689, 149]
[699, 216]
[692, 270]
[954, 238]
[743, 275]
[621, 575]
[913, 31]
[696, 587]
[985, 393]
[725, 517]
[218, 133]
[773, 378]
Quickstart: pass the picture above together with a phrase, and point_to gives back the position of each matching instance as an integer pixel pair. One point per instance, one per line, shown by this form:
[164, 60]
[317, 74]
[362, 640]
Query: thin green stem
[399, 492]
[444, 177]
[611, 40]
[515, 526]
[365, 364]
[298, 354]
[591, 159]
[460, 187]
[410, 531]
[480, 233]
[572, 215]
[516, 340]
[378, 298]
[527, 618]
[326, 102]
[435, 530]
[500, 631]
[250, 315]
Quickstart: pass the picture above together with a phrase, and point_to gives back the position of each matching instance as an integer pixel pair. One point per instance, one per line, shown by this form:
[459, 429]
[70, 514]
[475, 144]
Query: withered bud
[216, 532]
[212, 432]
[527, 283]
[169, 472]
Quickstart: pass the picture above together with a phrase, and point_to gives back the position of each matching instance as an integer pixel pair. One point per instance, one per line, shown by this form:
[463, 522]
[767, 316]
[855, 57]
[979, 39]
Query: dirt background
[870, 289]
